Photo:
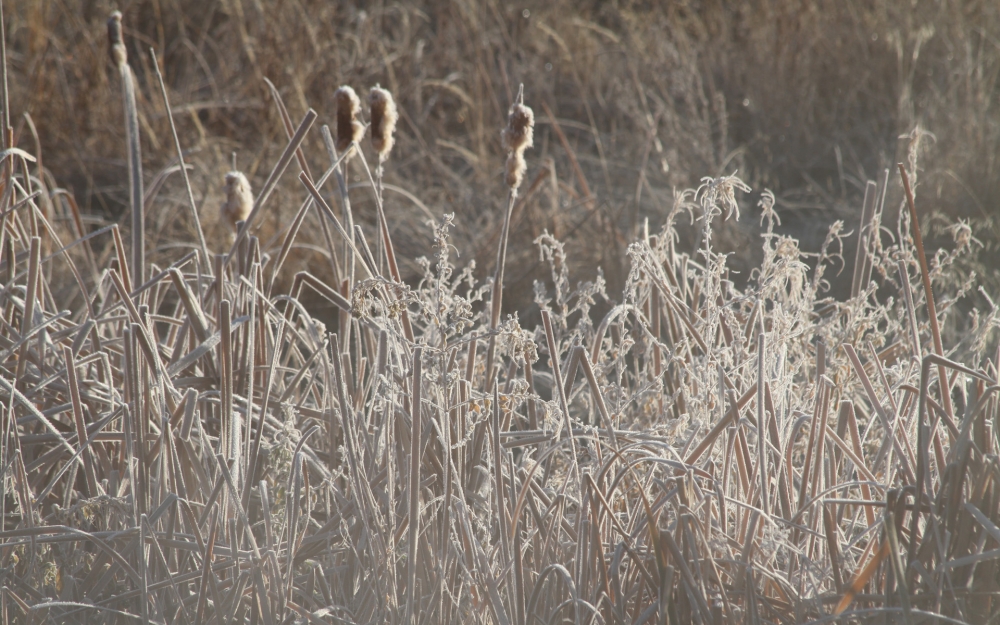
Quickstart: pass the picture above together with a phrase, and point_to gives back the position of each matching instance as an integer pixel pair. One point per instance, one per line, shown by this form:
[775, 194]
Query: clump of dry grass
[200, 448]
[648, 100]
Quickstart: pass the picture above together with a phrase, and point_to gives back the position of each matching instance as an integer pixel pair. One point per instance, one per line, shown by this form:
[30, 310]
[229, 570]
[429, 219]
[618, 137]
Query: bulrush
[239, 199]
[383, 116]
[116, 46]
[517, 137]
[349, 129]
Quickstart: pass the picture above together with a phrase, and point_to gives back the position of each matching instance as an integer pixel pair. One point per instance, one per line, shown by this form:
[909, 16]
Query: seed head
[519, 133]
[516, 166]
[517, 137]
[239, 199]
[349, 129]
[116, 46]
[383, 115]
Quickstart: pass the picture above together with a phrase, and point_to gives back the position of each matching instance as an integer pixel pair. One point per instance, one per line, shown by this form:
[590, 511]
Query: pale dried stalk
[414, 489]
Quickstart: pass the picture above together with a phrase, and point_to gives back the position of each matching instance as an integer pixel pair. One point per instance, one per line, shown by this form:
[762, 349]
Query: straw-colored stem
[414, 489]
[134, 152]
[496, 294]
[390, 251]
[918, 241]
[203, 246]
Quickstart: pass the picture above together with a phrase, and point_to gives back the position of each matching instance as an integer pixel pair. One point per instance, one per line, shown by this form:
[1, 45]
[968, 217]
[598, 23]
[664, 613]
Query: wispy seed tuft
[349, 129]
[239, 199]
[516, 166]
[519, 133]
[383, 121]
[517, 137]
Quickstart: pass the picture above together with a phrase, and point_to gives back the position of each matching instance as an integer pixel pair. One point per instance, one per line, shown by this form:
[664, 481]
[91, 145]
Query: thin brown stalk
[865, 234]
[911, 313]
[918, 241]
[414, 489]
[134, 151]
[496, 293]
[390, 251]
[763, 466]
[180, 158]
[563, 405]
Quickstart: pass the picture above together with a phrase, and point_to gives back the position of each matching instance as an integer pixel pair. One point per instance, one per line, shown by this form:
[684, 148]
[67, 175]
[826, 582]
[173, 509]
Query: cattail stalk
[336, 165]
[119, 56]
[180, 157]
[414, 490]
[516, 138]
[386, 244]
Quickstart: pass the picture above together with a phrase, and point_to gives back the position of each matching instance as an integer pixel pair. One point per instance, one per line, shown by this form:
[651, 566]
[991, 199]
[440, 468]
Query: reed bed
[188, 444]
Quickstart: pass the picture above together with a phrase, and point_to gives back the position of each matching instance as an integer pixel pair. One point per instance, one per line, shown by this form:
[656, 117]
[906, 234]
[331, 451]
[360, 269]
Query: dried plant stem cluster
[200, 449]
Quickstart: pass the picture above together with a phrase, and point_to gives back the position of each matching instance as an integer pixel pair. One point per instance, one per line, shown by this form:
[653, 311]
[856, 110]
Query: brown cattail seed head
[116, 46]
[516, 166]
[349, 129]
[383, 121]
[239, 199]
[517, 137]
[519, 133]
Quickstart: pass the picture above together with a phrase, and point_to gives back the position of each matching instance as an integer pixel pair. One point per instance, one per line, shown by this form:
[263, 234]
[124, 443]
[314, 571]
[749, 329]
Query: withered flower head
[517, 137]
[519, 133]
[516, 166]
[383, 121]
[239, 199]
[349, 129]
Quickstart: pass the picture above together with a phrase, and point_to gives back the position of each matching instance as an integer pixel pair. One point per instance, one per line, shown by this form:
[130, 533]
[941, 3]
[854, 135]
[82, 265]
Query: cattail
[239, 199]
[517, 137]
[349, 129]
[383, 115]
[116, 46]
[516, 166]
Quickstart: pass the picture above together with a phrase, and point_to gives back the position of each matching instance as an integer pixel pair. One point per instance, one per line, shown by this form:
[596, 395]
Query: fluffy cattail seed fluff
[116, 46]
[519, 133]
[349, 129]
[517, 137]
[239, 199]
[516, 166]
[383, 121]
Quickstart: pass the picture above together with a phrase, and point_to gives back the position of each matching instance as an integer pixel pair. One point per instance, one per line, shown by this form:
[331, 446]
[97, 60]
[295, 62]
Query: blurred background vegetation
[633, 101]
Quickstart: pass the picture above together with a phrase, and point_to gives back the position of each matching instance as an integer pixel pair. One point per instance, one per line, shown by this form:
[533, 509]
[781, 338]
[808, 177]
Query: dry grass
[182, 440]
[806, 99]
